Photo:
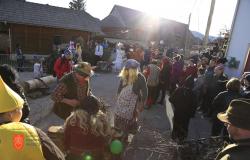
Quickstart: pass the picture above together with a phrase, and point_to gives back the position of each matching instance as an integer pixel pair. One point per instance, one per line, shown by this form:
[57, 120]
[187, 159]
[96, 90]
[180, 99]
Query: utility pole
[209, 21]
[187, 36]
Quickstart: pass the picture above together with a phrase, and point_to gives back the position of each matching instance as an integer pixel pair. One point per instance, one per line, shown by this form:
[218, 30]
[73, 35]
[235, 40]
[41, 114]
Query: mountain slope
[201, 36]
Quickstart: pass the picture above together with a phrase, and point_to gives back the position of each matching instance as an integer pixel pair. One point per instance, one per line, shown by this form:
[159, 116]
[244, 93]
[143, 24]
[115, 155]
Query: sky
[177, 10]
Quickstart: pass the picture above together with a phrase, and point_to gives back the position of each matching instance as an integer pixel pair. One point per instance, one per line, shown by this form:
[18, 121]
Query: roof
[128, 15]
[131, 18]
[112, 21]
[29, 13]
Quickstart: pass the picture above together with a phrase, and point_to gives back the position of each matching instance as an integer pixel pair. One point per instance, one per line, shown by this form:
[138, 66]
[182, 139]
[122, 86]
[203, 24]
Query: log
[41, 83]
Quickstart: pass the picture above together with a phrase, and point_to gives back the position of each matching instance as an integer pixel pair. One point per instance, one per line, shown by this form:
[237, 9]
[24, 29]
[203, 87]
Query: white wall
[240, 37]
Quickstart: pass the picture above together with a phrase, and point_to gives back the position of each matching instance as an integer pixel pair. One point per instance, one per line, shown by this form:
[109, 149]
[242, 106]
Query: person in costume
[87, 131]
[9, 76]
[119, 58]
[132, 94]
[20, 140]
[63, 64]
[79, 52]
[152, 74]
[72, 88]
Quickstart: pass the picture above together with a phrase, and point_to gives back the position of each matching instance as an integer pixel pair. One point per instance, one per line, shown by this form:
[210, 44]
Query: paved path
[152, 141]
[103, 86]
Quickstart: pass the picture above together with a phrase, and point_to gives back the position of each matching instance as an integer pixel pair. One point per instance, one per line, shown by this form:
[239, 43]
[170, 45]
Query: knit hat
[90, 104]
[67, 52]
[237, 114]
[9, 100]
[84, 69]
[131, 63]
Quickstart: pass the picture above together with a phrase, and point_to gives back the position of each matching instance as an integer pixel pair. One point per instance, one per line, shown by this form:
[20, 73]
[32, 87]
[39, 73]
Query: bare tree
[78, 5]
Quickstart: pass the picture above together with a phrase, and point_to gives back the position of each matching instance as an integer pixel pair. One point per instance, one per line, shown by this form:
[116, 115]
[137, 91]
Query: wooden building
[126, 23]
[37, 27]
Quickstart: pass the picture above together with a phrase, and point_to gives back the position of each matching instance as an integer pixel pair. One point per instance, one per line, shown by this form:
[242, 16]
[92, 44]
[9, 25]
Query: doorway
[247, 64]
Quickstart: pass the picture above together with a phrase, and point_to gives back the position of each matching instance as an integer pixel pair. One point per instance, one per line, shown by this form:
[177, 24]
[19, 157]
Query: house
[37, 27]
[239, 42]
[125, 23]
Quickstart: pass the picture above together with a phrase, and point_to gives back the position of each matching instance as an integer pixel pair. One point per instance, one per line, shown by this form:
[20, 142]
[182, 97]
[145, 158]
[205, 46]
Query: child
[87, 130]
[38, 68]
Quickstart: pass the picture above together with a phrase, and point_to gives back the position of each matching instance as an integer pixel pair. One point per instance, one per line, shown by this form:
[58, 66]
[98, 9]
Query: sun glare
[169, 9]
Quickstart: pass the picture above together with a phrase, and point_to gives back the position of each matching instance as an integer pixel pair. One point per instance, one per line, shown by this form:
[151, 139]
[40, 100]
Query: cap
[9, 99]
[131, 63]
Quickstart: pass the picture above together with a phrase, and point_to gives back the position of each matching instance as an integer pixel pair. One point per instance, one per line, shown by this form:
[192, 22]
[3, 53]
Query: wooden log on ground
[41, 83]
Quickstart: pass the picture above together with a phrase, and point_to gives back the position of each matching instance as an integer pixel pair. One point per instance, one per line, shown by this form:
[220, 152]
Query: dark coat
[237, 151]
[246, 93]
[184, 103]
[222, 100]
[213, 88]
[165, 75]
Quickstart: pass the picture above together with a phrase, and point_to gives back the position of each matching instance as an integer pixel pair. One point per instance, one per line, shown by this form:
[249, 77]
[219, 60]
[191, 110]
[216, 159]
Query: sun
[158, 8]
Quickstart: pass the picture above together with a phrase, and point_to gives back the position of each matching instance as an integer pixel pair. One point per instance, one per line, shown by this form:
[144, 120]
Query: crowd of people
[195, 84]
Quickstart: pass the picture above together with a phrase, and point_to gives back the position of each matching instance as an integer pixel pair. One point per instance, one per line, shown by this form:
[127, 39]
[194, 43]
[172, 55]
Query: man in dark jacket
[221, 102]
[237, 118]
[19, 58]
[164, 78]
[214, 86]
[183, 101]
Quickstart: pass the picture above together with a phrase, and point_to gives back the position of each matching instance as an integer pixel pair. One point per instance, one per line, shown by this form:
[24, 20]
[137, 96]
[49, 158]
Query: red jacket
[191, 70]
[61, 67]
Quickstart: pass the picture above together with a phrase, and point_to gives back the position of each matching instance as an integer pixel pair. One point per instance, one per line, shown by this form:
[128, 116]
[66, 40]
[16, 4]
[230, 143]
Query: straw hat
[9, 100]
[84, 68]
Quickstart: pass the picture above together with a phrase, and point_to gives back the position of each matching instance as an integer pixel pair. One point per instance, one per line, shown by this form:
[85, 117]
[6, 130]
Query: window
[57, 40]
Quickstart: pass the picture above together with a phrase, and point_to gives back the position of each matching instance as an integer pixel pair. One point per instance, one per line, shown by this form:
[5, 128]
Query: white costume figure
[79, 52]
[120, 54]
[38, 69]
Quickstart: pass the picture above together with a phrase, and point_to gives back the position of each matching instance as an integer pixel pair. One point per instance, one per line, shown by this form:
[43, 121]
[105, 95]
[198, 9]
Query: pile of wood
[202, 149]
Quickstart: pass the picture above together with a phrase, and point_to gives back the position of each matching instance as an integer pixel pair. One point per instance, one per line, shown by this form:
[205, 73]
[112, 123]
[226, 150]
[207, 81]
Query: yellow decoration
[19, 141]
[9, 100]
